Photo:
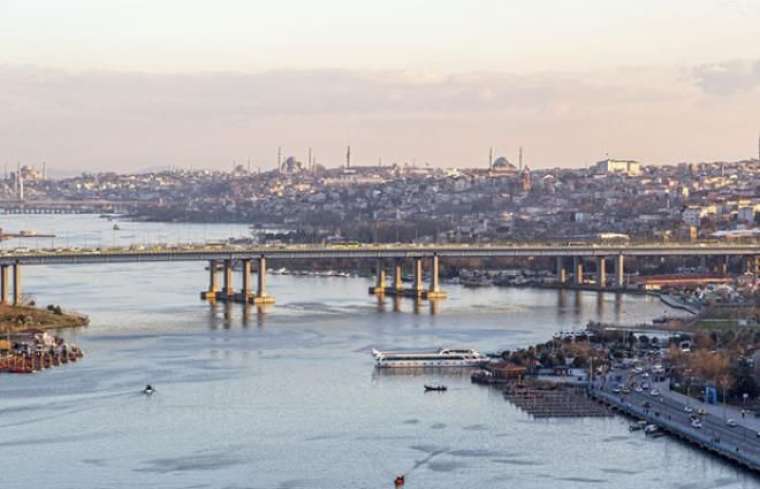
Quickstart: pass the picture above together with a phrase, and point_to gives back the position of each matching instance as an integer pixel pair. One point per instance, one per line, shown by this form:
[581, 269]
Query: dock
[554, 401]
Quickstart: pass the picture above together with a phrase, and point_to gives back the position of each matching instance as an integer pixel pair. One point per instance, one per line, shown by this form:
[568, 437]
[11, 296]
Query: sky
[128, 85]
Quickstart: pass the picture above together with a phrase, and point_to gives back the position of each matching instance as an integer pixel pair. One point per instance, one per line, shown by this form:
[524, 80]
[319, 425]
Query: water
[288, 397]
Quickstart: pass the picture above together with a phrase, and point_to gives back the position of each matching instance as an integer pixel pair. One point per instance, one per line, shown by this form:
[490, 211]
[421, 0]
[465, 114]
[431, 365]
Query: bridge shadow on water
[226, 314]
[572, 302]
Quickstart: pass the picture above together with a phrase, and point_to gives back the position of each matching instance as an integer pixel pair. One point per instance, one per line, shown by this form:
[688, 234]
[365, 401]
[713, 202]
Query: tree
[744, 380]
[580, 361]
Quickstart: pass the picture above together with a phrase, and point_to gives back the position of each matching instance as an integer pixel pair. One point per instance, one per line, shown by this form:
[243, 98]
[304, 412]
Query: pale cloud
[126, 120]
[728, 77]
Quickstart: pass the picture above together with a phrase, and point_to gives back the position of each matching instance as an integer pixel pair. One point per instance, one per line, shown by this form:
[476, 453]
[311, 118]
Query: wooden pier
[544, 400]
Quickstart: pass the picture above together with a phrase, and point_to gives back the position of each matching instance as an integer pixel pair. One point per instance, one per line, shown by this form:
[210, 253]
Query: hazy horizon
[135, 84]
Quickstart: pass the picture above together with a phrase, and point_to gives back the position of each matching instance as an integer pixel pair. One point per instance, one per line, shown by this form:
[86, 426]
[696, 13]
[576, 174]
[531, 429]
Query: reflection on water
[296, 401]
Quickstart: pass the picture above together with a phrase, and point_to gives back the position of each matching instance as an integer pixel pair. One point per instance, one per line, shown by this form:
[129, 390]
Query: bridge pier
[419, 287]
[723, 270]
[245, 289]
[601, 273]
[417, 290]
[3, 284]
[435, 291]
[578, 265]
[227, 293]
[229, 290]
[262, 297]
[398, 281]
[751, 264]
[17, 284]
[619, 271]
[213, 282]
[561, 272]
[379, 288]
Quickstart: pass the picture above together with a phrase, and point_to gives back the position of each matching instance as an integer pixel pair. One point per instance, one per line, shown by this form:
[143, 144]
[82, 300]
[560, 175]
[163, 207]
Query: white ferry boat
[444, 357]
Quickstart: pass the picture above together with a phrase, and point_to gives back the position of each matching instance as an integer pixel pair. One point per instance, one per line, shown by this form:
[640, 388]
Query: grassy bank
[14, 319]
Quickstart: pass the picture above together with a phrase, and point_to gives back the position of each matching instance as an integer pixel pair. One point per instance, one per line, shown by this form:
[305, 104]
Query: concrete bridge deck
[200, 253]
[223, 259]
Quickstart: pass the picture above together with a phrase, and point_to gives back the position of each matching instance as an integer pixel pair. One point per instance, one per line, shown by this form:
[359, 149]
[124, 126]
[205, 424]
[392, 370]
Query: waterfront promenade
[740, 443]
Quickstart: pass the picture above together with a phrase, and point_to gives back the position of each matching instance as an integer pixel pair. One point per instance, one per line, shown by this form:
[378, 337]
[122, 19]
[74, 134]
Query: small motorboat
[437, 388]
[652, 430]
[149, 390]
[638, 426]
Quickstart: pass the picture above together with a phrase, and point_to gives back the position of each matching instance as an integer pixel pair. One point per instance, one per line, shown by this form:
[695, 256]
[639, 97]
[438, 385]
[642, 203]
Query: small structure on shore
[35, 350]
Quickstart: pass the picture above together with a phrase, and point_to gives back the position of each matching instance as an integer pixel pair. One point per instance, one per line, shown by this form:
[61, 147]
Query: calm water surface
[288, 397]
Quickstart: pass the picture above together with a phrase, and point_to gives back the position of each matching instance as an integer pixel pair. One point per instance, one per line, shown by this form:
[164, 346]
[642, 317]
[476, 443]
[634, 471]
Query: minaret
[519, 158]
[490, 158]
[279, 157]
[308, 162]
[348, 156]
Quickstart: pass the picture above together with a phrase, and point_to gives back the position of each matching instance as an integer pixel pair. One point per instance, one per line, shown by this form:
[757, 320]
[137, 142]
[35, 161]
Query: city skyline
[135, 86]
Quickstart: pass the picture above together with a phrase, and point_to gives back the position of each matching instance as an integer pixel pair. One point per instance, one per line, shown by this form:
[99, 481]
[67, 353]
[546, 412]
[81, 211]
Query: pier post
[261, 290]
[213, 282]
[578, 262]
[619, 271]
[245, 292]
[3, 284]
[601, 273]
[16, 284]
[750, 264]
[561, 272]
[398, 283]
[229, 289]
[435, 291]
[379, 288]
[419, 287]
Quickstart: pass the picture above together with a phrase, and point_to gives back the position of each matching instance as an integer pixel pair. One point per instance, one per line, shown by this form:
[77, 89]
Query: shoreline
[20, 319]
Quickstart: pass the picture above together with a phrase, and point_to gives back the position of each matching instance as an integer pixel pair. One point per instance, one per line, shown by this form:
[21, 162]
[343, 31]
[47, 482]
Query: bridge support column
[398, 282]
[435, 291]
[17, 284]
[601, 273]
[245, 290]
[229, 289]
[723, 270]
[619, 271]
[3, 284]
[261, 290]
[561, 272]
[379, 288]
[578, 262]
[419, 286]
[213, 282]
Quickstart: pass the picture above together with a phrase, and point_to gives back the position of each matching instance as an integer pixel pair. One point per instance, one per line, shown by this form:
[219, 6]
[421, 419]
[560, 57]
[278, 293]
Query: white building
[628, 167]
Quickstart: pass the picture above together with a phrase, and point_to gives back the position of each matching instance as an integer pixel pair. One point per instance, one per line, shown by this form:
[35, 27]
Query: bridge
[226, 259]
[16, 206]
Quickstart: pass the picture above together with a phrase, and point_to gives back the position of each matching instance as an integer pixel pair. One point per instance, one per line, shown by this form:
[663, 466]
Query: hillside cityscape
[392, 203]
